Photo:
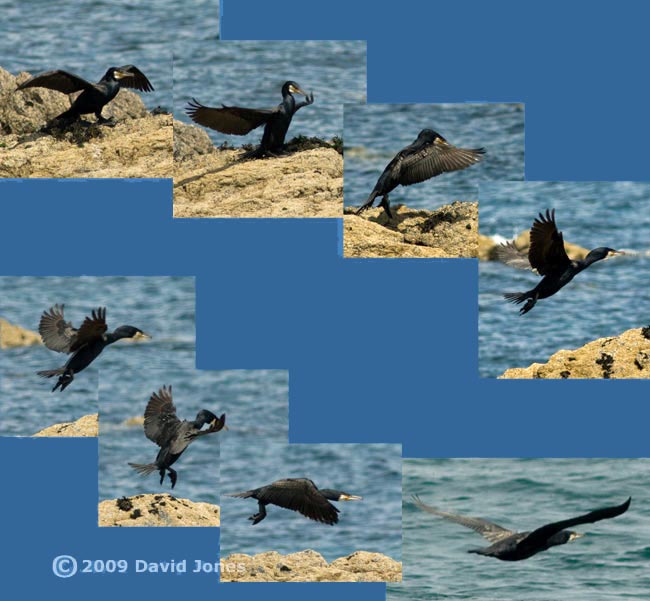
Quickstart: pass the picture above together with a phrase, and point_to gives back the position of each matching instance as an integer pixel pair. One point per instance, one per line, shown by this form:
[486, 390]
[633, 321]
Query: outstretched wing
[137, 79]
[509, 254]
[438, 157]
[61, 81]
[91, 329]
[57, 333]
[300, 495]
[543, 533]
[228, 119]
[546, 252]
[160, 420]
[492, 532]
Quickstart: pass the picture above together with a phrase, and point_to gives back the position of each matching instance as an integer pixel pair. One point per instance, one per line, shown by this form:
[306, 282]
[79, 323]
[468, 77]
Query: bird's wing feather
[433, 159]
[548, 530]
[61, 81]
[138, 80]
[228, 119]
[492, 532]
[93, 327]
[509, 254]
[160, 416]
[57, 333]
[546, 252]
[300, 495]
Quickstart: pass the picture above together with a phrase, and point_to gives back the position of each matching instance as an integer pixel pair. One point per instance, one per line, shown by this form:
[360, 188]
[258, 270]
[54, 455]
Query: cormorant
[429, 155]
[239, 121]
[547, 257]
[297, 494]
[85, 343]
[94, 96]
[172, 435]
[509, 545]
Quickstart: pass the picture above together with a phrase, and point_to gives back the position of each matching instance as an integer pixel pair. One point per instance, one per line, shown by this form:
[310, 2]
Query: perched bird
[428, 156]
[297, 494]
[85, 344]
[171, 434]
[239, 121]
[509, 545]
[94, 96]
[547, 257]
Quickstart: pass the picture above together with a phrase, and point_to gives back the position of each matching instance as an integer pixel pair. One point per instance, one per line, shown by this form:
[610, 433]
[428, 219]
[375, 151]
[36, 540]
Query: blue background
[387, 349]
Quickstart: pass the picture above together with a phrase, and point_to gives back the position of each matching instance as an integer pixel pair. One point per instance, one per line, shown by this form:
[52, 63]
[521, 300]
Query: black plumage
[84, 344]
[240, 121]
[94, 96]
[548, 258]
[173, 436]
[297, 494]
[509, 545]
[428, 156]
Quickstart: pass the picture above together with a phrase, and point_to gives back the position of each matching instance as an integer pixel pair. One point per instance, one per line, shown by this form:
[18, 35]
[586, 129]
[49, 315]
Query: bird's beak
[350, 498]
[297, 90]
[214, 423]
[575, 535]
[121, 74]
[616, 252]
[141, 336]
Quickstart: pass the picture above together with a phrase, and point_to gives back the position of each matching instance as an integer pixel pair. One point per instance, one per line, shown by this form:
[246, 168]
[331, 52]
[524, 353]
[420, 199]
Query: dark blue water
[86, 37]
[375, 133]
[255, 403]
[605, 300]
[609, 563]
[371, 471]
[251, 74]
[161, 306]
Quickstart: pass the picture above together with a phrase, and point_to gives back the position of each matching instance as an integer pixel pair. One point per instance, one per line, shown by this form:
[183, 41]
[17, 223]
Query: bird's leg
[384, 203]
[260, 515]
[65, 379]
[103, 120]
[162, 474]
[172, 476]
[530, 303]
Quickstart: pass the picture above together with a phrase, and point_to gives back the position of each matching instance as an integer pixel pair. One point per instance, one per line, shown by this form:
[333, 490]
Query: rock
[450, 231]
[138, 145]
[190, 142]
[84, 426]
[309, 566]
[305, 183]
[157, 510]
[487, 247]
[12, 336]
[623, 356]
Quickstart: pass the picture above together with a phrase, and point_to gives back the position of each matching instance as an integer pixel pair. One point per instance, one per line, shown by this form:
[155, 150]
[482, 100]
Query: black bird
[239, 121]
[547, 257]
[94, 96]
[509, 545]
[428, 156]
[85, 344]
[297, 494]
[171, 434]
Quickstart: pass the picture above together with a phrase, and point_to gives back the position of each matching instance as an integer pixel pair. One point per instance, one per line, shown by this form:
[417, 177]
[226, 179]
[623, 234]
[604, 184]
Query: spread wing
[160, 421]
[92, 328]
[435, 158]
[61, 81]
[137, 80]
[546, 252]
[509, 254]
[300, 495]
[57, 333]
[492, 532]
[228, 119]
[605, 513]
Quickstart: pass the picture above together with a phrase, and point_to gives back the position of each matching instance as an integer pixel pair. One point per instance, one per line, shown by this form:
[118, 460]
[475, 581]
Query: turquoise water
[605, 300]
[375, 133]
[610, 562]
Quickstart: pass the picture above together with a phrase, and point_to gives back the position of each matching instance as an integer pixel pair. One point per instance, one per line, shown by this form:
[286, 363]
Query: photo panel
[582, 317]
[351, 491]
[259, 124]
[396, 149]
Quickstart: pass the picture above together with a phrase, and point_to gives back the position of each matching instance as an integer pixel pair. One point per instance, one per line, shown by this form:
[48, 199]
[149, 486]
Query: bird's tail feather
[516, 297]
[247, 494]
[49, 373]
[144, 469]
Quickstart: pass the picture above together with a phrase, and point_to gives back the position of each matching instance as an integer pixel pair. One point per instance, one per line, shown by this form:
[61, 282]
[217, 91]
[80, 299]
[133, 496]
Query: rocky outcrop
[12, 336]
[157, 510]
[138, 144]
[623, 356]
[487, 247]
[448, 232]
[309, 566]
[307, 181]
[84, 426]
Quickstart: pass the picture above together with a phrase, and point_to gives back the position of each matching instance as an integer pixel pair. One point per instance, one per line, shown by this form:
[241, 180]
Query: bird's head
[291, 87]
[601, 253]
[339, 495]
[563, 537]
[207, 417]
[130, 332]
[115, 74]
[429, 135]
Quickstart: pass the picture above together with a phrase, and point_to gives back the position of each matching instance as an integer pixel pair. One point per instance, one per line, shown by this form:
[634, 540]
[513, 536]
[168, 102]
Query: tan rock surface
[310, 566]
[623, 356]
[12, 336]
[450, 231]
[84, 426]
[157, 510]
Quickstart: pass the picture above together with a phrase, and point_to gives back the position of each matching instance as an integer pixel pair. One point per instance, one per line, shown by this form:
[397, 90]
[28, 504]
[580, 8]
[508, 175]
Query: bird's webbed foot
[172, 476]
[530, 303]
[259, 516]
[162, 475]
[64, 381]
[110, 122]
